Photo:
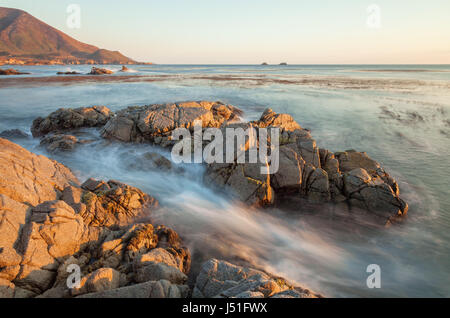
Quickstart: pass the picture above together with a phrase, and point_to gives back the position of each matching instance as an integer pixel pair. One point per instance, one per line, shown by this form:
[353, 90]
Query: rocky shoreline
[49, 220]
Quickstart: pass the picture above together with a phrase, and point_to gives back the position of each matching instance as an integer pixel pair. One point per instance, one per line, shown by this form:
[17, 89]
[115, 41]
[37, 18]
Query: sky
[256, 31]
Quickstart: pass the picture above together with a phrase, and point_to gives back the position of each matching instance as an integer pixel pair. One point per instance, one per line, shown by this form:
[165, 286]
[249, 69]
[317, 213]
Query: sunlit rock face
[49, 222]
[155, 123]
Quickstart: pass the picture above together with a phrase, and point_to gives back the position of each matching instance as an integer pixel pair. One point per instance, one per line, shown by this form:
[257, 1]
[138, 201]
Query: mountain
[25, 39]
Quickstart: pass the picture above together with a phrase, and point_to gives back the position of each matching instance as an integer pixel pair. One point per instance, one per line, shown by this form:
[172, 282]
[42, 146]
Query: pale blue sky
[253, 31]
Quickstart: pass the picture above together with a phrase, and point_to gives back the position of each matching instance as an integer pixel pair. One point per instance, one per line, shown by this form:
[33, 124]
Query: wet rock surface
[59, 142]
[13, 134]
[11, 71]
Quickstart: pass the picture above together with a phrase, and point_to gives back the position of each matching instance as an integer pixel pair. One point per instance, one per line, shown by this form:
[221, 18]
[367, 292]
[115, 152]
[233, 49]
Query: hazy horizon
[237, 33]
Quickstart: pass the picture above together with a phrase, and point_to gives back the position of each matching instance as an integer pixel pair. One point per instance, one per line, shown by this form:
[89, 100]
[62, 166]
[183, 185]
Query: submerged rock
[68, 73]
[59, 142]
[220, 279]
[148, 161]
[13, 134]
[11, 71]
[100, 71]
[66, 119]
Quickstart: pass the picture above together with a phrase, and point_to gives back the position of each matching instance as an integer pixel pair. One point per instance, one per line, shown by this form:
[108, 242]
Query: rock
[13, 216]
[153, 271]
[152, 289]
[368, 186]
[295, 293]
[54, 232]
[68, 73]
[142, 245]
[9, 272]
[11, 71]
[48, 222]
[31, 179]
[306, 171]
[23, 293]
[157, 255]
[27, 180]
[65, 119]
[34, 279]
[55, 292]
[59, 142]
[25, 244]
[100, 71]
[224, 280]
[271, 119]
[13, 134]
[114, 203]
[244, 180]
[6, 289]
[100, 280]
[59, 226]
[149, 123]
[9, 257]
[124, 69]
[150, 161]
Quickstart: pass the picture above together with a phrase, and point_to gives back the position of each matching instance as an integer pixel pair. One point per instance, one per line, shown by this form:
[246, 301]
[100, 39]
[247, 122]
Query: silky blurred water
[399, 115]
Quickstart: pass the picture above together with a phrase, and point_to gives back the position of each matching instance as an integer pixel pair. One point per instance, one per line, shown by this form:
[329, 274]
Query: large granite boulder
[155, 123]
[221, 279]
[65, 119]
[49, 222]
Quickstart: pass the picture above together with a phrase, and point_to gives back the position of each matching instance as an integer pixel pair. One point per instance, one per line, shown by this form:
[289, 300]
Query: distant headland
[26, 40]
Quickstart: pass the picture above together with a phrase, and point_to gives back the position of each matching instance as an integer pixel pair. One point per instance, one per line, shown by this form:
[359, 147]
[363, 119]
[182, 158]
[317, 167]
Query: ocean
[398, 114]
